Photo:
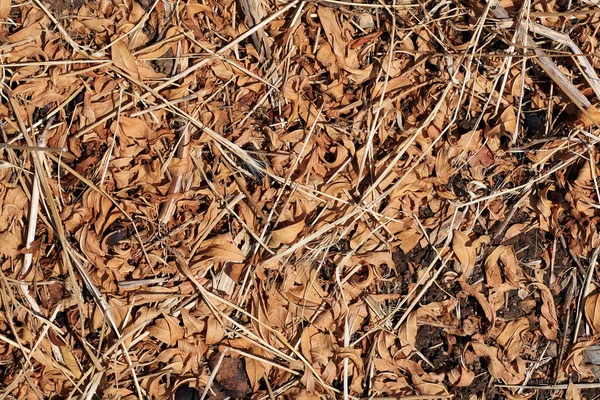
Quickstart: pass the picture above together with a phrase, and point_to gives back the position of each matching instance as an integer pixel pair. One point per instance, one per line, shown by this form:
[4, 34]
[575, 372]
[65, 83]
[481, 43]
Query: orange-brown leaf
[287, 234]
[548, 319]
[123, 59]
[4, 8]
[592, 311]
[167, 330]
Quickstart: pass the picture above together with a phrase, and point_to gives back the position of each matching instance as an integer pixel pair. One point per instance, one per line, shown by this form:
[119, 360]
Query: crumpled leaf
[461, 377]
[512, 374]
[166, 329]
[572, 392]
[221, 248]
[592, 311]
[548, 319]
[5, 8]
[10, 244]
[511, 338]
[466, 254]
[502, 261]
[287, 234]
[123, 59]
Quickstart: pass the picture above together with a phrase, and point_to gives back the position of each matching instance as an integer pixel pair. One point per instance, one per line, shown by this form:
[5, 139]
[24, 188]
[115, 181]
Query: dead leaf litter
[265, 199]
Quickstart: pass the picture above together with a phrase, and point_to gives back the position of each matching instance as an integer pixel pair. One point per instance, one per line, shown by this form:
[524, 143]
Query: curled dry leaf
[576, 363]
[465, 253]
[502, 262]
[5, 8]
[287, 234]
[123, 59]
[592, 311]
[166, 329]
[489, 311]
[511, 338]
[512, 373]
[548, 319]
[461, 376]
[572, 392]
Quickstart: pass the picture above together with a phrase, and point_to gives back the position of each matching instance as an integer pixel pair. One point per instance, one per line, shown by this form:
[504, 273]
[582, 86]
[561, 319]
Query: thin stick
[32, 148]
[213, 374]
[585, 290]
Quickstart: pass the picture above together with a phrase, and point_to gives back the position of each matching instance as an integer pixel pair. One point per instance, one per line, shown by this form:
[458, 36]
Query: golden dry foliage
[298, 200]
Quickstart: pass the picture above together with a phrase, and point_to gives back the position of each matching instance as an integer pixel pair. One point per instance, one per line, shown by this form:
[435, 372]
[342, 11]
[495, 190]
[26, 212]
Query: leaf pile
[299, 200]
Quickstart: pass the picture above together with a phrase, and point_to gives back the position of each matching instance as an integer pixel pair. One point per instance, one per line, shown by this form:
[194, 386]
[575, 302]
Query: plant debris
[301, 200]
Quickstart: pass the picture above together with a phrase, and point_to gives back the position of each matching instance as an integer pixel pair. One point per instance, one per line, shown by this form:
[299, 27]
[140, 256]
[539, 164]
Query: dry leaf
[503, 262]
[465, 253]
[511, 338]
[167, 330]
[221, 248]
[123, 59]
[572, 392]
[5, 8]
[461, 377]
[589, 118]
[592, 311]
[548, 319]
[70, 361]
[287, 234]
[214, 331]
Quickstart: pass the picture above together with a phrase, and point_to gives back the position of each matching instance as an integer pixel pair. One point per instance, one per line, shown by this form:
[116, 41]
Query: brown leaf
[589, 118]
[287, 234]
[167, 330]
[123, 59]
[221, 248]
[70, 361]
[592, 311]
[488, 310]
[483, 157]
[256, 370]
[5, 9]
[408, 334]
[511, 338]
[132, 128]
[548, 319]
[214, 331]
[10, 244]
[497, 369]
[572, 392]
[503, 261]
[465, 253]
[461, 377]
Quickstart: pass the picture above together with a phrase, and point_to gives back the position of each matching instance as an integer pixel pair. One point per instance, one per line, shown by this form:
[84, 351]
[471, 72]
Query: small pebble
[365, 21]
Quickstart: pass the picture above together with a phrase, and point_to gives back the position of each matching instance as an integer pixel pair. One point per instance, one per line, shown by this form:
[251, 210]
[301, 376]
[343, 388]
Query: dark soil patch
[69, 7]
[529, 245]
[418, 256]
[406, 265]
[164, 65]
[431, 343]
[513, 309]
[590, 394]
